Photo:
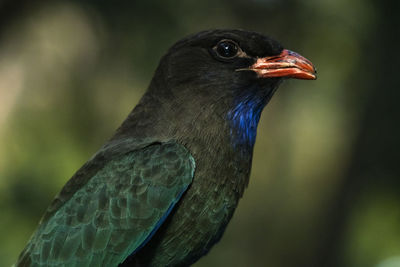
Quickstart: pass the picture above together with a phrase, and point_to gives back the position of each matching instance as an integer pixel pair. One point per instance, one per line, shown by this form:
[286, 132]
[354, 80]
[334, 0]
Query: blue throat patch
[244, 119]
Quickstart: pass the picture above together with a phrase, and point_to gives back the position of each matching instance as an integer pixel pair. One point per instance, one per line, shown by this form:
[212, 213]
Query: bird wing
[114, 212]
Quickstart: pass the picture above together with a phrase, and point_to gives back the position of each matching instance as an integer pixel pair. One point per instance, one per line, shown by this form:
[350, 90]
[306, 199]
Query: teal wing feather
[115, 212]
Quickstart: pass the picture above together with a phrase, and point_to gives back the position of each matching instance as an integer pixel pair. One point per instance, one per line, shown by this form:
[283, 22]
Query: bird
[162, 189]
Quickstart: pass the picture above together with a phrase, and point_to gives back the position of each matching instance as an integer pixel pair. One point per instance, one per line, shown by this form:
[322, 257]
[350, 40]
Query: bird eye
[227, 49]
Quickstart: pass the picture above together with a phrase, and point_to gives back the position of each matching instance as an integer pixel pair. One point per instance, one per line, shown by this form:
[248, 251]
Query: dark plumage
[161, 191]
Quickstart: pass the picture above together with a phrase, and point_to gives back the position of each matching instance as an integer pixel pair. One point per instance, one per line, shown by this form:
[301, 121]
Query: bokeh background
[325, 185]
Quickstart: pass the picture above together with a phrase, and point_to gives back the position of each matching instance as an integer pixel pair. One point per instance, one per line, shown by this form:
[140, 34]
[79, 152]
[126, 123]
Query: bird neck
[244, 118]
[245, 115]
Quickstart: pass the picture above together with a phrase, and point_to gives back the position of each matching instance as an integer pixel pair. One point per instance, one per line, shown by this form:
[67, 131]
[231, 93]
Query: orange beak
[287, 64]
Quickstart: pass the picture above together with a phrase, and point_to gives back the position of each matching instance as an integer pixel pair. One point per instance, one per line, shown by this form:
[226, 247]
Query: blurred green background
[325, 185]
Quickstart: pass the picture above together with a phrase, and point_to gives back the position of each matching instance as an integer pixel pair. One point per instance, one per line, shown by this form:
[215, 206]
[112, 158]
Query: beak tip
[315, 73]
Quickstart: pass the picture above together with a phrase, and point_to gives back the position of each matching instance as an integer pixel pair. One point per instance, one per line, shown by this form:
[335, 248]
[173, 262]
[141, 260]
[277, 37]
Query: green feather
[113, 213]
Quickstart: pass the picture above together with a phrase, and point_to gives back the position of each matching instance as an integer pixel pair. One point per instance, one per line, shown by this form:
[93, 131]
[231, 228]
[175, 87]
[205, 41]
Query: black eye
[227, 49]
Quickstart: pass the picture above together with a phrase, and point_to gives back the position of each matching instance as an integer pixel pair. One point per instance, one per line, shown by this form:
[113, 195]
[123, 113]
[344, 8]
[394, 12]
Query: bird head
[232, 61]
[231, 73]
